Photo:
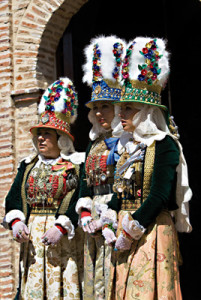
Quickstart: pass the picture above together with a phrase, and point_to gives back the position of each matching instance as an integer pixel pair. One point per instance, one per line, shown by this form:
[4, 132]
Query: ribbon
[63, 165]
[111, 144]
[138, 155]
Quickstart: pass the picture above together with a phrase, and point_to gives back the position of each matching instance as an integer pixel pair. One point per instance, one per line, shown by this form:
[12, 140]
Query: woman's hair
[97, 129]
[64, 142]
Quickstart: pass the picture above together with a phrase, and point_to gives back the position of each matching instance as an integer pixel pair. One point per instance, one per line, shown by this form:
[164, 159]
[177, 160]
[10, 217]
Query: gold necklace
[96, 169]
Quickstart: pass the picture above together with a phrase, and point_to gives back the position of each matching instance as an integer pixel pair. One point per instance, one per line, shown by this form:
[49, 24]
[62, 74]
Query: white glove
[109, 235]
[123, 243]
[89, 225]
[132, 227]
[52, 236]
[20, 232]
[85, 223]
[97, 224]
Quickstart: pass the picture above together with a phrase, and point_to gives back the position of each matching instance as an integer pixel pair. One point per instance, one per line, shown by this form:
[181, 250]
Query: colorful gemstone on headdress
[97, 75]
[70, 103]
[125, 67]
[54, 95]
[150, 69]
[118, 50]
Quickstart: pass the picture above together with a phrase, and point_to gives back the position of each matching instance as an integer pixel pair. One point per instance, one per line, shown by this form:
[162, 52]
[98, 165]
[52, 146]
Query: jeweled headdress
[58, 107]
[145, 71]
[102, 70]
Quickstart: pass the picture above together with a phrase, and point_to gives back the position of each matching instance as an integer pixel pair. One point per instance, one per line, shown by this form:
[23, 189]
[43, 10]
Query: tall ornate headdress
[145, 71]
[102, 70]
[58, 107]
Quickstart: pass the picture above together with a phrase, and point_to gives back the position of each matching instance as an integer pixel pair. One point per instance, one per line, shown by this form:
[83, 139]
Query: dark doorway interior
[179, 22]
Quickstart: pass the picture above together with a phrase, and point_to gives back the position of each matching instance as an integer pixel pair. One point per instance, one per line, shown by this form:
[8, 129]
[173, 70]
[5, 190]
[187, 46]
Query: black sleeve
[163, 182]
[115, 203]
[13, 199]
[84, 190]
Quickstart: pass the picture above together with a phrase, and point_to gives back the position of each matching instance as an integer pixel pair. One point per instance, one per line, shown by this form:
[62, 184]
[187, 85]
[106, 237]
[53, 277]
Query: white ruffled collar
[48, 161]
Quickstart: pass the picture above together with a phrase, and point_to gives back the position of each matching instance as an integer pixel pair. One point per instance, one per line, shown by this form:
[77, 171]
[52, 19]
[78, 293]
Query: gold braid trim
[59, 190]
[143, 85]
[148, 170]
[23, 192]
[65, 203]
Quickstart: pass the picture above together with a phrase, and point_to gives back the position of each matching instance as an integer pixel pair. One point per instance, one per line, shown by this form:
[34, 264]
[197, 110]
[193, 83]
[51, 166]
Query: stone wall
[30, 31]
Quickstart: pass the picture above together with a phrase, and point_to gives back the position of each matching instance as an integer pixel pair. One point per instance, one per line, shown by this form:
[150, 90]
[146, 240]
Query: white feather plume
[138, 59]
[107, 59]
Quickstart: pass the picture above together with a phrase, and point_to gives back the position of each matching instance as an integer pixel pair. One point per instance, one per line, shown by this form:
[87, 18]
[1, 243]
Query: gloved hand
[52, 236]
[97, 224]
[89, 225]
[109, 235]
[20, 232]
[123, 243]
[85, 221]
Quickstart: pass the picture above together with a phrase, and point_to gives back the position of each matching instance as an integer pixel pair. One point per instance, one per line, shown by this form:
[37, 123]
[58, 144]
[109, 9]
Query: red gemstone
[144, 72]
[145, 50]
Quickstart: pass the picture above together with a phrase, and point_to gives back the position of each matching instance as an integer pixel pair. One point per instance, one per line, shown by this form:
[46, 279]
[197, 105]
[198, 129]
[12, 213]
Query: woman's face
[104, 113]
[126, 114]
[47, 142]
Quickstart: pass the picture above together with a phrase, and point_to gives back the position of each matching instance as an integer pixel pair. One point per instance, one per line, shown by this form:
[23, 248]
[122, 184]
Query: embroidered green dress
[149, 270]
[96, 182]
[44, 191]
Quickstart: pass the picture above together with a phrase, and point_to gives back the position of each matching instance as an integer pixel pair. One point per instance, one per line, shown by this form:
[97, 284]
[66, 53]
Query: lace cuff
[65, 222]
[109, 217]
[12, 215]
[85, 202]
[132, 227]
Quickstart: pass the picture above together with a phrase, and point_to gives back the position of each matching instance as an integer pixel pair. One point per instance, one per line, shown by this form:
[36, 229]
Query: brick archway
[36, 37]
[30, 37]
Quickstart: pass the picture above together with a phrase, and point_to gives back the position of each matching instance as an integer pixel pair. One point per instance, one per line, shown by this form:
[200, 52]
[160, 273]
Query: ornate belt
[47, 210]
[103, 189]
[132, 205]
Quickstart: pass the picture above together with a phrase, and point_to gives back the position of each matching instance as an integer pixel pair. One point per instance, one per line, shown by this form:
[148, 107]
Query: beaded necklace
[42, 185]
[125, 178]
[96, 168]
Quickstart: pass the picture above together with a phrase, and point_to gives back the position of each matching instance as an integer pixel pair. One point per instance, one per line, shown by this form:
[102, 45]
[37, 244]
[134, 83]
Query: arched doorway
[178, 22]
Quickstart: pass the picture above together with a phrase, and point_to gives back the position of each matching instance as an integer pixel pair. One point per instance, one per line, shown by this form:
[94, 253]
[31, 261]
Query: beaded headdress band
[58, 107]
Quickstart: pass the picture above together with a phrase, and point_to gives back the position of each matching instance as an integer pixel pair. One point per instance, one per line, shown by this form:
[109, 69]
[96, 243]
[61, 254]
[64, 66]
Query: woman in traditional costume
[151, 182]
[40, 206]
[102, 72]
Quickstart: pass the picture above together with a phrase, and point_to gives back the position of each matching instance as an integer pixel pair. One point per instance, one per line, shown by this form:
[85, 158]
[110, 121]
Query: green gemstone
[129, 52]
